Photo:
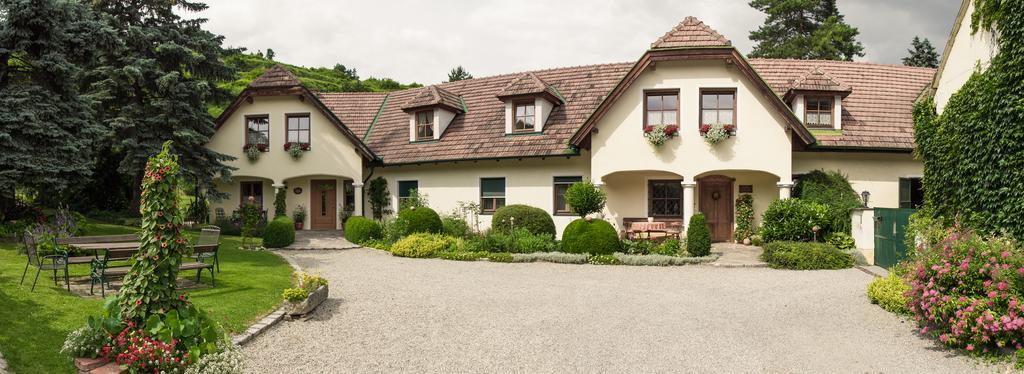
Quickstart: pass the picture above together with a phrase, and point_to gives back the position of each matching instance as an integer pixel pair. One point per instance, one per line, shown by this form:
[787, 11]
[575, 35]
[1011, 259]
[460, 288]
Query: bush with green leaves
[230, 360]
[555, 257]
[462, 255]
[833, 190]
[425, 245]
[295, 295]
[455, 225]
[518, 241]
[698, 236]
[661, 260]
[87, 341]
[805, 256]
[604, 260]
[594, 236]
[744, 217]
[756, 240]
[890, 293]
[500, 257]
[532, 219]
[280, 206]
[669, 247]
[379, 198]
[793, 220]
[420, 220]
[637, 247]
[279, 233]
[585, 198]
[359, 230]
[841, 240]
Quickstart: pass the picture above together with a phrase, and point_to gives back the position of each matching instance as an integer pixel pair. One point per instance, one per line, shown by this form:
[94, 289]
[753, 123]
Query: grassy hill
[248, 66]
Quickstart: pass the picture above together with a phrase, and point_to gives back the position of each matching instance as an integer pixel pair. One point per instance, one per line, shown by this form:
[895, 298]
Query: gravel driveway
[389, 314]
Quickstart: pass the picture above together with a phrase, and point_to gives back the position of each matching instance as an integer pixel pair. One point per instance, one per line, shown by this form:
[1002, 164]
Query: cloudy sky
[421, 40]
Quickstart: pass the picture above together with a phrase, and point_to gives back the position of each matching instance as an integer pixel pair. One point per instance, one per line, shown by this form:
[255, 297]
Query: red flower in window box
[302, 146]
[259, 147]
[671, 130]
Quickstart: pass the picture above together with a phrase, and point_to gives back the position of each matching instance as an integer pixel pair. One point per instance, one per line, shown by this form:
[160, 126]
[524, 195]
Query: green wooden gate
[890, 231]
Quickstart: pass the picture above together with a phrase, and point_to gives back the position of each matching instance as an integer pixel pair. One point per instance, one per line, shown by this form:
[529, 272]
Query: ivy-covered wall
[973, 152]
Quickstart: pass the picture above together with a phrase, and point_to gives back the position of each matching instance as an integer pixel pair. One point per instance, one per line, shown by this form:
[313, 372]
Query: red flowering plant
[296, 149]
[717, 132]
[659, 134]
[968, 290]
[138, 352]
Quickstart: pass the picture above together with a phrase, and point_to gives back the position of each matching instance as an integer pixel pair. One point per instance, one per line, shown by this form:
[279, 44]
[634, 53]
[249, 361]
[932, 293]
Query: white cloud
[421, 40]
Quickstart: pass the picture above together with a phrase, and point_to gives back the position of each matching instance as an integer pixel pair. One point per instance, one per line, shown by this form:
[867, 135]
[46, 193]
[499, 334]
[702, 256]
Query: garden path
[737, 255]
[392, 314]
[320, 239]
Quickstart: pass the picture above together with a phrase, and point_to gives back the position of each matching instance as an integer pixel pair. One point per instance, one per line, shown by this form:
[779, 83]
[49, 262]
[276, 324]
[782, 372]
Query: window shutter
[905, 193]
[492, 187]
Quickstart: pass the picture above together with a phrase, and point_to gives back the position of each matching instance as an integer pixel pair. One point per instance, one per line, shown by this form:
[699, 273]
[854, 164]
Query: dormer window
[819, 112]
[525, 117]
[424, 125]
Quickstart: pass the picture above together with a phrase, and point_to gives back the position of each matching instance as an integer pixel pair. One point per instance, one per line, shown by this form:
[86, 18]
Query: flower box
[301, 146]
[716, 133]
[658, 135]
[310, 303]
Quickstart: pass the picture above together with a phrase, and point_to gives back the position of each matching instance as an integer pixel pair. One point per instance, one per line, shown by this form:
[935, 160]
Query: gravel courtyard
[389, 314]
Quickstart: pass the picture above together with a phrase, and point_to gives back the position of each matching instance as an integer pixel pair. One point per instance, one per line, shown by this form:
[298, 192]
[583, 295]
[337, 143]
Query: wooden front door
[717, 205]
[323, 202]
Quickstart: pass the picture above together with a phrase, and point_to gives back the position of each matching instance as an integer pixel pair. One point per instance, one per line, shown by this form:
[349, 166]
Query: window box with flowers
[716, 133]
[253, 151]
[296, 149]
[659, 134]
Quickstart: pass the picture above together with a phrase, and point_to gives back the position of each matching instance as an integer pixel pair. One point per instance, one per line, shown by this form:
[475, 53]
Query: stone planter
[307, 306]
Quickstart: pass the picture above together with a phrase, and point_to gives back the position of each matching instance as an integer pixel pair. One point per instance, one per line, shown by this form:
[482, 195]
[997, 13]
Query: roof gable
[276, 76]
[529, 84]
[818, 80]
[691, 32]
[434, 96]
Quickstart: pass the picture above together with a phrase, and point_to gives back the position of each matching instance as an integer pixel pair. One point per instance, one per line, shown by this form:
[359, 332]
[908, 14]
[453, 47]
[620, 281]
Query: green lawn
[33, 324]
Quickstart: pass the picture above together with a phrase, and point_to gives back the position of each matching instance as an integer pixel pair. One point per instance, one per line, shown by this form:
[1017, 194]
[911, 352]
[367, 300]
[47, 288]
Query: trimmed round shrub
[359, 229]
[424, 245]
[279, 233]
[420, 220]
[698, 236]
[889, 292]
[535, 220]
[805, 256]
[585, 198]
[793, 219]
[595, 236]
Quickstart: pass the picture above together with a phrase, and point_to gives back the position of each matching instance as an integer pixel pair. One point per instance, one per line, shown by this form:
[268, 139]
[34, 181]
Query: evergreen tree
[458, 74]
[922, 54]
[158, 84]
[270, 54]
[48, 124]
[805, 29]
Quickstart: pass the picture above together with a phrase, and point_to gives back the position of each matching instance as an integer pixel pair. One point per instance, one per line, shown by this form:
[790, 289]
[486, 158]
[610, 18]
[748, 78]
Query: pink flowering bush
[967, 290]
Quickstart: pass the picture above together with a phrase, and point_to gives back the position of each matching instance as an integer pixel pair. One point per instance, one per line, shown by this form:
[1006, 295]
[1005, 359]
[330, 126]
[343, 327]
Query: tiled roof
[691, 32]
[527, 84]
[355, 109]
[480, 132]
[434, 95]
[818, 80]
[276, 76]
[878, 113]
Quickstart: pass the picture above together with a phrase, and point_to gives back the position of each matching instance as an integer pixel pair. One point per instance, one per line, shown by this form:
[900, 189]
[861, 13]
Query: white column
[688, 188]
[359, 199]
[785, 190]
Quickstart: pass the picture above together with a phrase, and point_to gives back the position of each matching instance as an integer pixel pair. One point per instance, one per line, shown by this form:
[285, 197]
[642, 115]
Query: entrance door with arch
[716, 202]
[323, 202]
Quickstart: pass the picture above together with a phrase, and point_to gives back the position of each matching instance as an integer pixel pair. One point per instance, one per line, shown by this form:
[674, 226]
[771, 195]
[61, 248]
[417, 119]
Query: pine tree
[48, 125]
[806, 29]
[922, 54]
[458, 74]
[158, 84]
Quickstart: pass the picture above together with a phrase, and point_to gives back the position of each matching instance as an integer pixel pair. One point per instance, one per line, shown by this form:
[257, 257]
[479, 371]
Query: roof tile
[691, 32]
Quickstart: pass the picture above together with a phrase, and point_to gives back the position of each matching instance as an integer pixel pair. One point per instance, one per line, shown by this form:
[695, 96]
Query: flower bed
[309, 292]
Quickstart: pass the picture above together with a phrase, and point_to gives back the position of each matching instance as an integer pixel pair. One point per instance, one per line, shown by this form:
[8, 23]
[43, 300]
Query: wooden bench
[93, 239]
[674, 227]
[201, 253]
[101, 271]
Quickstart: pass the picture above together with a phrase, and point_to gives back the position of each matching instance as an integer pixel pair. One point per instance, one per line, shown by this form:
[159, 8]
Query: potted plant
[658, 135]
[296, 149]
[253, 151]
[716, 133]
[309, 292]
[299, 216]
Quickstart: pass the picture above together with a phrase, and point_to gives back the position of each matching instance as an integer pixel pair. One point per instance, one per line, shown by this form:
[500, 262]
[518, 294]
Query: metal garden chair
[209, 236]
[57, 261]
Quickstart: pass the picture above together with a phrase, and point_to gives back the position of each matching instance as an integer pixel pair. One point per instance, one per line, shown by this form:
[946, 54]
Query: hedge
[420, 220]
[889, 292]
[698, 236]
[359, 229]
[534, 220]
[279, 233]
[595, 236]
[793, 219]
[805, 256]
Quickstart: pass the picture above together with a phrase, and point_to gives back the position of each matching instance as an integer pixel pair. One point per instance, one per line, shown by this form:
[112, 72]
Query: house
[523, 138]
[965, 53]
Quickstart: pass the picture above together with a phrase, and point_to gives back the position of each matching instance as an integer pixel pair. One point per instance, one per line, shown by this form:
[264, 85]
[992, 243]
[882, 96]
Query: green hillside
[248, 66]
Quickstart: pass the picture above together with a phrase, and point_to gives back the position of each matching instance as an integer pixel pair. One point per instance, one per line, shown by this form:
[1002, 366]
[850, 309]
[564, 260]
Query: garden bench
[201, 253]
[91, 240]
[101, 270]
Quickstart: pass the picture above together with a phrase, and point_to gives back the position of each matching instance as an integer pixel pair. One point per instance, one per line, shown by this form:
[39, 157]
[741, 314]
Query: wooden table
[111, 245]
[648, 227]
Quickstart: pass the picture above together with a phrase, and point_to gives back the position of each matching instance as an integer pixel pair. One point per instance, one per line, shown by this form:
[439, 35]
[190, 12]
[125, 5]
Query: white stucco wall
[762, 141]
[967, 52]
[292, 200]
[527, 182]
[878, 173]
